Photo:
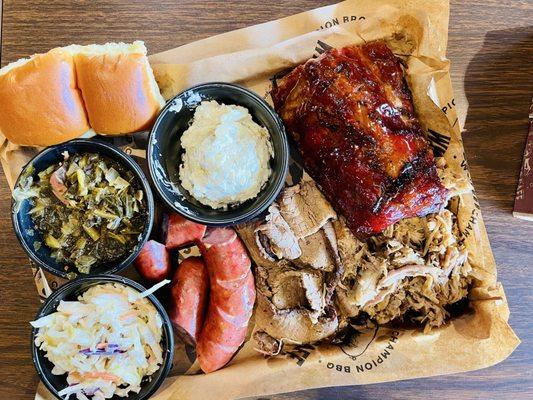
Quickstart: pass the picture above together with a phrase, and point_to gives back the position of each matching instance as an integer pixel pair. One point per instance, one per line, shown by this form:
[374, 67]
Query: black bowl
[23, 223]
[70, 292]
[164, 153]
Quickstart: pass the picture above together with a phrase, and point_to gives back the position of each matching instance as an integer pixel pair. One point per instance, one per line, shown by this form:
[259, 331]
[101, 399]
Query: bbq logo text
[368, 364]
[340, 20]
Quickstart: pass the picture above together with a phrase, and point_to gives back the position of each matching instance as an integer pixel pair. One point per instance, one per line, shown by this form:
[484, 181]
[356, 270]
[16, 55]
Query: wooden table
[491, 49]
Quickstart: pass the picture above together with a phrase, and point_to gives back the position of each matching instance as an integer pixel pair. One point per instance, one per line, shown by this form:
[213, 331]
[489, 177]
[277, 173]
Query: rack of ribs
[351, 115]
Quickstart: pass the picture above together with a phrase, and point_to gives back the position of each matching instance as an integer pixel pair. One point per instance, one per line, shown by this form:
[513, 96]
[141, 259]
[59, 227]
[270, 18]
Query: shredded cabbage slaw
[106, 342]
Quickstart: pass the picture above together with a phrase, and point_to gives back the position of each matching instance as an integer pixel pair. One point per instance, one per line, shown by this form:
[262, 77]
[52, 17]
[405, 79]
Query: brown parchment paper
[416, 31]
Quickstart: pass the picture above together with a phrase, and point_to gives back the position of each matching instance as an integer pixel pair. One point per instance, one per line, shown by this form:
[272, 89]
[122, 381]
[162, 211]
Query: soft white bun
[118, 87]
[40, 102]
[54, 97]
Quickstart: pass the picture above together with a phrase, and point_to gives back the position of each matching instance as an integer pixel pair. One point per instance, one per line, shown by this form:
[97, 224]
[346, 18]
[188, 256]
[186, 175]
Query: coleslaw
[106, 342]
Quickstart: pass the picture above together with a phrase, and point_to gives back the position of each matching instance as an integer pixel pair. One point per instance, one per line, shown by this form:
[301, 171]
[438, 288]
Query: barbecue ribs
[351, 115]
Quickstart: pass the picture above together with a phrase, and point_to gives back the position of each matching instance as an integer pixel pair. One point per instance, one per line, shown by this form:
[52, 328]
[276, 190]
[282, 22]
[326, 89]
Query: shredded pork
[314, 276]
[416, 268]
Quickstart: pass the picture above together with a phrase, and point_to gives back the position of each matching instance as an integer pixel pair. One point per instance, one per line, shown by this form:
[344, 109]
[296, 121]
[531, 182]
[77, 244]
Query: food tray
[417, 32]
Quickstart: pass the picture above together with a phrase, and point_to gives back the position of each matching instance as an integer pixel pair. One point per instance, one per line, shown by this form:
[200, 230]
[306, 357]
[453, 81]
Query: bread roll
[118, 87]
[40, 102]
[54, 97]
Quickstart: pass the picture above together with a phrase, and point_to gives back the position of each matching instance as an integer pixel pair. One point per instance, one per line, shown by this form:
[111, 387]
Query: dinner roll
[54, 97]
[40, 102]
[118, 87]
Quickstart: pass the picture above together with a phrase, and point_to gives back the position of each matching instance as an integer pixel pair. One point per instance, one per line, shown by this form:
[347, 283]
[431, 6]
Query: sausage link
[189, 293]
[180, 231]
[231, 300]
[153, 262]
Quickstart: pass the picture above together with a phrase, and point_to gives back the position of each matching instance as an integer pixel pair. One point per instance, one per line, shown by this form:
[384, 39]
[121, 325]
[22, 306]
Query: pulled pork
[313, 275]
[416, 267]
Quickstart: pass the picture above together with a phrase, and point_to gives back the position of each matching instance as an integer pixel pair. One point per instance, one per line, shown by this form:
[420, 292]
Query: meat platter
[300, 218]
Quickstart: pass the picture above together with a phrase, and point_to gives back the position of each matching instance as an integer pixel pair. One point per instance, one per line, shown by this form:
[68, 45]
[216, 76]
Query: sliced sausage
[153, 262]
[189, 293]
[214, 236]
[179, 231]
[232, 296]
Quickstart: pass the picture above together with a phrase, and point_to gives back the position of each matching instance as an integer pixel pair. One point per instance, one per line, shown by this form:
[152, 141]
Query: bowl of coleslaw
[102, 337]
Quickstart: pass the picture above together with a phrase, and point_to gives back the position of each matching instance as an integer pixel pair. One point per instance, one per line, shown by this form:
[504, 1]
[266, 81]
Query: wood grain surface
[491, 49]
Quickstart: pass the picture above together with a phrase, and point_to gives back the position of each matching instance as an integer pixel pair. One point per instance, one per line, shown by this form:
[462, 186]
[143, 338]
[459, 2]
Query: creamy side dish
[227, 155]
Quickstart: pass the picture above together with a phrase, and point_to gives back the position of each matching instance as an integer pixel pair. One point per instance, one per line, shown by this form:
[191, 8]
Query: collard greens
[89, 209]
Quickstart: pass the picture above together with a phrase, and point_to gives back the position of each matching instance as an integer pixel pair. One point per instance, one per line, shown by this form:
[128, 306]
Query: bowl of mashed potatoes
[218, 154]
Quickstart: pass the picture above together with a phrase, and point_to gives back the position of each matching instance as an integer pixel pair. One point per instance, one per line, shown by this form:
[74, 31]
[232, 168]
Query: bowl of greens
[82, 207]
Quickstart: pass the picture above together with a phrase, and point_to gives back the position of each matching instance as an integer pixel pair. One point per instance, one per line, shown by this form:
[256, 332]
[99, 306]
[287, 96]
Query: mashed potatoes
[227, 155]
